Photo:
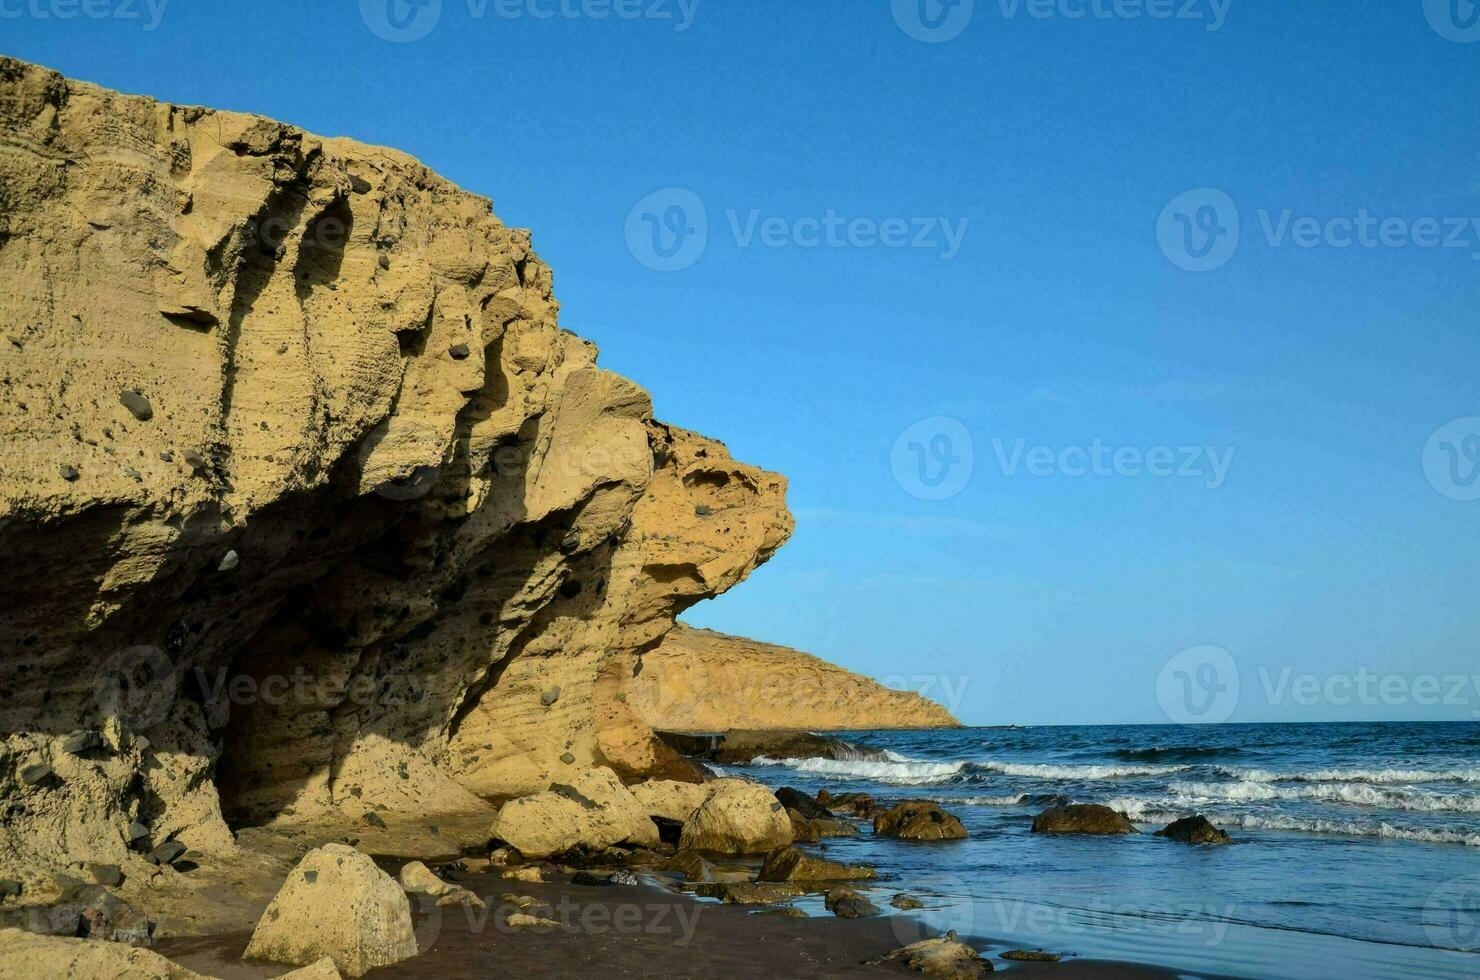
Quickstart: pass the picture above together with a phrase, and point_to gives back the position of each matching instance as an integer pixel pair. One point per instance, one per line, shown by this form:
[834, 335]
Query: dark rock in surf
[1194, 830]
[1082, 818]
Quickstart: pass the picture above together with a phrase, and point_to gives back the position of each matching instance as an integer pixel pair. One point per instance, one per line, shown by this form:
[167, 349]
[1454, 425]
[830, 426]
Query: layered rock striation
[309, 507]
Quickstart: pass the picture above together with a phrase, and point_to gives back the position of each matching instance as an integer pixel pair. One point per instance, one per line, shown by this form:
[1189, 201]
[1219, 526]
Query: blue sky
[1012, 242]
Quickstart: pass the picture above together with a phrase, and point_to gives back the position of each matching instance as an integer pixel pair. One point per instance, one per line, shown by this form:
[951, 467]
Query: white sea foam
[1079, 772]
[898, 769]
[1358, 794]
[1252, 821]
[1378, 776]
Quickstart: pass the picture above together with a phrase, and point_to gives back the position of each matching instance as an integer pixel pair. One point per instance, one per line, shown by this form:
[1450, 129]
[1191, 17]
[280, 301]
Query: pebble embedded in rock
[373, 819]
[193, 458]
[137, 404]
[568, 759]
[550, 696]
[167, 456]
[459, 352]
[167, 853]
[384, 261]
[229, 562]
[137, 832]
[35, 775]
[108, 875]
[9, 888]
[79, 742]
[69, 473]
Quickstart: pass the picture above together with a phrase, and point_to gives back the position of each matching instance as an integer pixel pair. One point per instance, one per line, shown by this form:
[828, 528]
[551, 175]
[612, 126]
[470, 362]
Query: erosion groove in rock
[334, 568]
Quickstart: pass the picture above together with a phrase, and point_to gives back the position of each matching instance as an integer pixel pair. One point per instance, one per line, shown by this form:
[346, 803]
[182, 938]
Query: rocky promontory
[698, 680]
[312, 512]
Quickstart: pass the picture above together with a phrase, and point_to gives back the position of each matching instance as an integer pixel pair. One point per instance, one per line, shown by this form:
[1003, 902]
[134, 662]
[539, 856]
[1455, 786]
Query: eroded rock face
[307, 502]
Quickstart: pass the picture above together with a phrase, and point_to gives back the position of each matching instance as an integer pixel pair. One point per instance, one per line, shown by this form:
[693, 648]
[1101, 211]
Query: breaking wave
[896, 770]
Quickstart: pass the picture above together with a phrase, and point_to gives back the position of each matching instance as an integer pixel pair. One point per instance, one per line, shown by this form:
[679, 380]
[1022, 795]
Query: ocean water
[1357, 847]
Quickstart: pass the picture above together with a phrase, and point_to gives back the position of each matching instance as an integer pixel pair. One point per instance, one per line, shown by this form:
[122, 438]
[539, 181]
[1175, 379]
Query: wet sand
[636, 931]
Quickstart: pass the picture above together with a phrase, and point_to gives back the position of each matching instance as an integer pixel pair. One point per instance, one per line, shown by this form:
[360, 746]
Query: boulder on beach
[740, 818]
[944, 957]
[749, 892]
[336, 903]
[919, 820]
[594, 812]
[323, 969]
[26, 954]
[861, 805]
[1082, 818]
[846, 903]
[906, 902]
[1194, 830]
[803, 830]
[670, 799]
[418, 879]
[692, 866]
[793, 864]
[795, 799]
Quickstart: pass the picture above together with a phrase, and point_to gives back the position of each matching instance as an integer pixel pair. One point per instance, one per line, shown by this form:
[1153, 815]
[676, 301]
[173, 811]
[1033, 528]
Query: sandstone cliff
[702, 681]
[309, 508]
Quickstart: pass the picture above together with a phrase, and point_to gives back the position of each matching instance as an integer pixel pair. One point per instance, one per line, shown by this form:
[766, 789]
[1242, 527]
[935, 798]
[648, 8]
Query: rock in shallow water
[919, 820]
[846, 903]
[1194, 830]
[792, 864]
[1082, 818]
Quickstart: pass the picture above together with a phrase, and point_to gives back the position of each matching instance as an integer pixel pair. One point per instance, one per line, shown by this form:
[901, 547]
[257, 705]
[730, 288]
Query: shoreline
[639, 930]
